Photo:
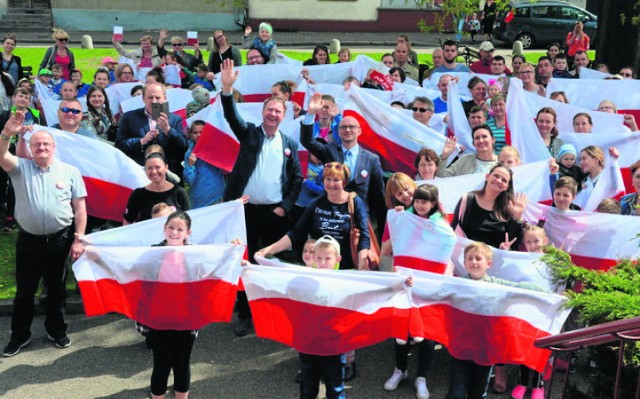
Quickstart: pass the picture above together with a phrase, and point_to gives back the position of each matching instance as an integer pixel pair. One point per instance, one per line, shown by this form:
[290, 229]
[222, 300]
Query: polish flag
[463, 81]
[594, 240]
[484, 322]
[326, 312]
[419, 243]
[119, 92]
[177, 99]
[531, 179]
[610, 185]
[588, 73]
[458, 123]
[165, 288]
[109, 175]
[255, 81]
[603, 122]
[44, 93]
[388, 132]
[219, 146]
[521, 127]
[215, 224]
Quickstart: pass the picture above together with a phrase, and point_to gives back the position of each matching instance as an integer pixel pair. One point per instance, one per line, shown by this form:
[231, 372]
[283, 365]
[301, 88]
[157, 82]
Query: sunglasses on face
[176, 44]
[64, 39]
[626, 75]
[421, 110]
[66, 110]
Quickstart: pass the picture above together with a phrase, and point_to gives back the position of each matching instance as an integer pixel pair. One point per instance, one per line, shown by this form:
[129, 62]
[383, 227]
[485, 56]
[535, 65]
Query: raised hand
[247, 30]
[163, 33]
[449, 147]
[553, 166]
[333, 109]
[506, 245]
[228, 76]
[315, 104]
[15, 124]
[518, 205]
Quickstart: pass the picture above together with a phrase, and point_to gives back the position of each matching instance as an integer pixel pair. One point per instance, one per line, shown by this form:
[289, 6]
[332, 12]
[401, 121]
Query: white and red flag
[484, 322]
[109, 175]
[215, 224]
[458, 125]
[326, 312]
[388, 132]
[420, 243]
[166, 288]
[594, 240]
[610, 185]
[521, 130]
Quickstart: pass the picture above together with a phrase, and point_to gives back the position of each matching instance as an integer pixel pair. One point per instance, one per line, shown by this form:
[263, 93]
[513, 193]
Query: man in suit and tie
[138, 129]
[366, 171]
[267, 170]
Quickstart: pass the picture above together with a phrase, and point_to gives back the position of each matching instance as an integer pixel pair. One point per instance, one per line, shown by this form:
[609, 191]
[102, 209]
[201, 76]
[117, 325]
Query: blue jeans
[329, 368]
[468, 380]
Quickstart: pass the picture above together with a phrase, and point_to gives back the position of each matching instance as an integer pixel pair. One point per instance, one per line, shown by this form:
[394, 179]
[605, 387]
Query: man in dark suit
[138, 130]
[366, 171]
[267, 170]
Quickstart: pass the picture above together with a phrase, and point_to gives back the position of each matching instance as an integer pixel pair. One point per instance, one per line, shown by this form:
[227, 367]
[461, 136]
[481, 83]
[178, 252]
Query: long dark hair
[501, 209]
[180, 215]
[427, 192]
[106, 108]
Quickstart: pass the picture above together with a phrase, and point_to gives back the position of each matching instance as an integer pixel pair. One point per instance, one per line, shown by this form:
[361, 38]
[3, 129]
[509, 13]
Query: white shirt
[265, 184]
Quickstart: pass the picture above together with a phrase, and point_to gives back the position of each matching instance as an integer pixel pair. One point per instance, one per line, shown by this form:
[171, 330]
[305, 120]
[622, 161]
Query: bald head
[349, 131]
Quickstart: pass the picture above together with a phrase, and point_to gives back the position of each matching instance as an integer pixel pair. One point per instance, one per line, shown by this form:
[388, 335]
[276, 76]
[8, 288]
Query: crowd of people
[343, 186]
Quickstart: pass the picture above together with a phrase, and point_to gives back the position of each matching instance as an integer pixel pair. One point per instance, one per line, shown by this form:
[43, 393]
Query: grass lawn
[88, 60]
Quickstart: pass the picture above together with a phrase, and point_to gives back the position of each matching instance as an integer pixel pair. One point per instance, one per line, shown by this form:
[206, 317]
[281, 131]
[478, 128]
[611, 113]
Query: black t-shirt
[142, 201]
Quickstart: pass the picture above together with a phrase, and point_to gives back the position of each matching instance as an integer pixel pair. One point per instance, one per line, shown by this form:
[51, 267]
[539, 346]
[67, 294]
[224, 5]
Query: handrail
[620, 331]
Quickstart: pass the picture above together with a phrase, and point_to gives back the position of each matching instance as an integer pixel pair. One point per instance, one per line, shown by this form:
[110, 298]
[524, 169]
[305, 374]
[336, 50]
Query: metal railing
[622, 331]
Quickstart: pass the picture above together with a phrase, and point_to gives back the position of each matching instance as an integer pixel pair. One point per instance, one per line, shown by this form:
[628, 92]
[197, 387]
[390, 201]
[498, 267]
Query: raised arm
[14, 126]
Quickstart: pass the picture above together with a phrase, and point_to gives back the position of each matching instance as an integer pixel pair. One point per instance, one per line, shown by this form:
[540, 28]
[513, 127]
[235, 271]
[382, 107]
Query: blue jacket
[206, 182]
[251, 138]
[135, 124]
[367, 181]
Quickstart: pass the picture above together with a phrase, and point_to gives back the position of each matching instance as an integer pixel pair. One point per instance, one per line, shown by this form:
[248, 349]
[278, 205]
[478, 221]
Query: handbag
[373, 256]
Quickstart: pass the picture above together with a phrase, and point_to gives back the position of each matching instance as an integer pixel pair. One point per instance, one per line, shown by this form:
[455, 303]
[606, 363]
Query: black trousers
[171, 351]
[263, 228]
[425, 354]
[40, 257]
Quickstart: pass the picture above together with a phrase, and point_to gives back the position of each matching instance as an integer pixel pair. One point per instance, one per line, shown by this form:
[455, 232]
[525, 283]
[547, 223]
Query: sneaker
[142, 329]
[519, 392]
[537, 393]
[62, 342]
[14, 346]
[396, 378]
[421, 388]
[349, 372]
[298, 378]
[9, 225]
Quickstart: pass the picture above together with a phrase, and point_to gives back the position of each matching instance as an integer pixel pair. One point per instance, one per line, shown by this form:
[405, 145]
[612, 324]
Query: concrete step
[23, 10]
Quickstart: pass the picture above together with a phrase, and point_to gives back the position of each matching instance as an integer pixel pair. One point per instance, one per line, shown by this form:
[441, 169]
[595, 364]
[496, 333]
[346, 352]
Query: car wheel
[527, 40]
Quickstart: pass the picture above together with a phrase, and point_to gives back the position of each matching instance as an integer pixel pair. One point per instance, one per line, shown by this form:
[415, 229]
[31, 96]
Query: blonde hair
[59, 34]
[512, 150]
[145, 38]
[160, 209]
[396, 183]
[337, 169]
[594, 152]
[481, 247]
[533, 228]
[609, 205]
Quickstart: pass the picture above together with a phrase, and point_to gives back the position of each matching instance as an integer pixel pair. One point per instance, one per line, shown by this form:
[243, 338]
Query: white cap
[328, 240]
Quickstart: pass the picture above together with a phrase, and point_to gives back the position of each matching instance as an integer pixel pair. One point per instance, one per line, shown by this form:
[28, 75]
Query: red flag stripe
[341, 330]
[168, 306]
[425, 265]
[510, 339]
[217, 148]
[106, 200]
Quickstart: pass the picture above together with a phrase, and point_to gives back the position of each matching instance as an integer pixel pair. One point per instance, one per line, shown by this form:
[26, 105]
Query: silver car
[544, 22]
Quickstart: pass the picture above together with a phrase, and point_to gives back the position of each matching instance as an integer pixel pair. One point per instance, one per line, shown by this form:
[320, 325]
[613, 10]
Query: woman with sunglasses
[146, 56]
[329, 215]
[124, 73]
[222, 50]
[320, 56]
[59, 54]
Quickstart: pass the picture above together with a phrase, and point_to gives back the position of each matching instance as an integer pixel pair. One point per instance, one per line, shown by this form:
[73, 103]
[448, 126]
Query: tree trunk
[618, 38]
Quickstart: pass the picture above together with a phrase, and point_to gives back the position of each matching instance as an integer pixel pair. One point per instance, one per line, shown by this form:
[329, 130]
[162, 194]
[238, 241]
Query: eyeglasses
[335, 165]
[176, 44]
[64, 39]
[525, 72]
[348, 127]
[66, 110]
[606, 108]
[626, 75]
[126, 73]
[421, 110]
